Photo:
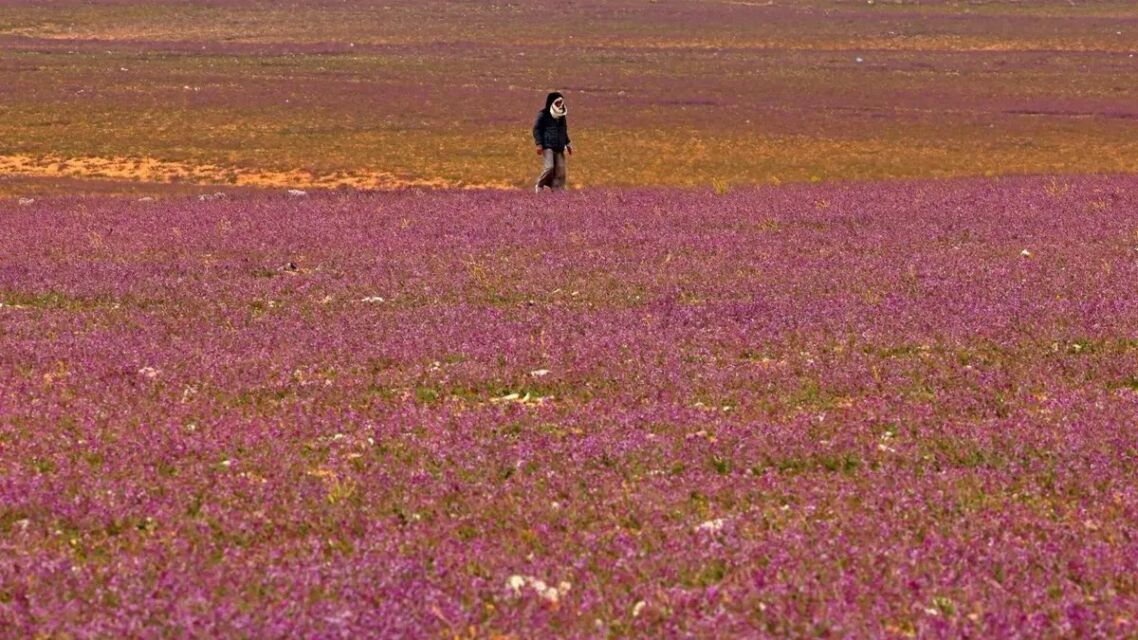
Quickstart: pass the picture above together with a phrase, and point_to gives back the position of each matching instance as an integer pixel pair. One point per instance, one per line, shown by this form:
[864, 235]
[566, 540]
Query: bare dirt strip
[152, 170]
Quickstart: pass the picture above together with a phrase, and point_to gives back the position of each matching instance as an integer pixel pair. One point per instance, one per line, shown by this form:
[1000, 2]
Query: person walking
[551, 135]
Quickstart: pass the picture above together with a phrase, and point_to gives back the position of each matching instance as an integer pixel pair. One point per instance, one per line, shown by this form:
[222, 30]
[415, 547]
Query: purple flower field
[845, 410]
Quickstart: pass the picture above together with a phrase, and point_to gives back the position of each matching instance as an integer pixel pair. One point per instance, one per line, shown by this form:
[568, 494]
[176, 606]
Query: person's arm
[568, 142]
[537, 132]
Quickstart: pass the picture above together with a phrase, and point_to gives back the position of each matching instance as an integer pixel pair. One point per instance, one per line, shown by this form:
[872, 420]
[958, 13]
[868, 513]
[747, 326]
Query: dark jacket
[550, 132]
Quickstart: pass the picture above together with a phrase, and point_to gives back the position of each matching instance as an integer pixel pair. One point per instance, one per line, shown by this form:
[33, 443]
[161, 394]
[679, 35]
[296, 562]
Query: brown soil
[151, 170]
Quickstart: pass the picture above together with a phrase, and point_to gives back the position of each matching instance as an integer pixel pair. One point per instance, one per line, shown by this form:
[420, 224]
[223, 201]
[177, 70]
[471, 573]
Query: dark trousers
[552, 170]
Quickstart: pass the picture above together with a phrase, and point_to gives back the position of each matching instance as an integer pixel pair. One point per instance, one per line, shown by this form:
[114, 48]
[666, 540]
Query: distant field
[672, 92]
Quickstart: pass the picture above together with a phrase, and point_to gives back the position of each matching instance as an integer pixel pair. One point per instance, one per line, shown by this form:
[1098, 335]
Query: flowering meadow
[842, 410]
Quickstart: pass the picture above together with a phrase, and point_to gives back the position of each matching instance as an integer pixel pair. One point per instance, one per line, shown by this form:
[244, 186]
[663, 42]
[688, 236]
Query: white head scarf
[558, 113]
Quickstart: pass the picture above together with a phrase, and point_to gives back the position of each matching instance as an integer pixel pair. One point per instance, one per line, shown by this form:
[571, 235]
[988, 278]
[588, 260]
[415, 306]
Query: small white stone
[537, 373]
[637, 608]
[712, 525]
[515, 583]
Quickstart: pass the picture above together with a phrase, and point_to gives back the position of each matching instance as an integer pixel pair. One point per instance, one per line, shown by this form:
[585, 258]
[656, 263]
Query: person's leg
[545, 179]
[559, 171]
